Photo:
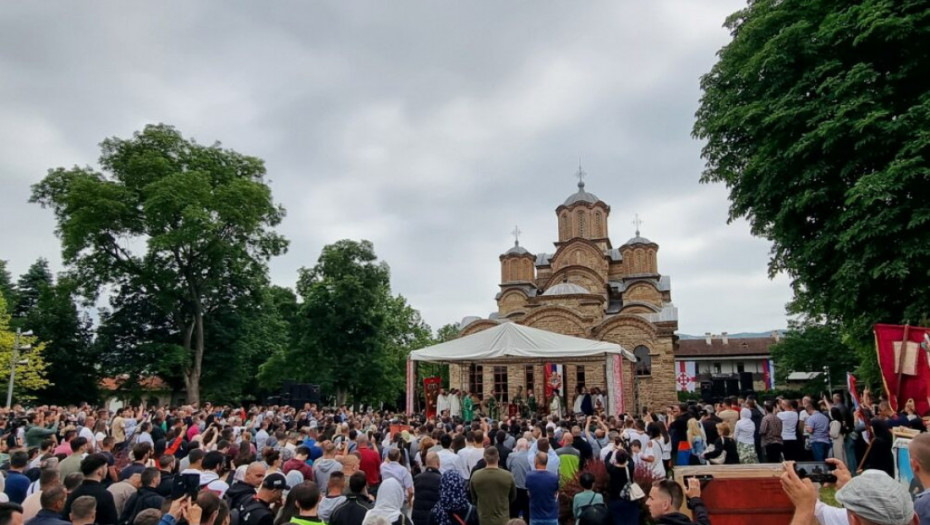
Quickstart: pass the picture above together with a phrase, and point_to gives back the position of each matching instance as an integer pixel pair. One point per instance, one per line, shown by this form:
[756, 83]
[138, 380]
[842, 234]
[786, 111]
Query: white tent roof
[513, 341]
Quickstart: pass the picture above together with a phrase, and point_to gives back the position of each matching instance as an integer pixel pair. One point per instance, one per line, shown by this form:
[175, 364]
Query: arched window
[582, 227]
[598, 232]
[643, 361]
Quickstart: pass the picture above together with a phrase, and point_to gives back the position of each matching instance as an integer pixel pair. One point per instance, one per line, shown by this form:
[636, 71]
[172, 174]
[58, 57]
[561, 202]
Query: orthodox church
[585, 288]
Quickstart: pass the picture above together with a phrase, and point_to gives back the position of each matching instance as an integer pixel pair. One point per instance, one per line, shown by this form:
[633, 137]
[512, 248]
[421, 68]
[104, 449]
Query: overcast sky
[429, 128]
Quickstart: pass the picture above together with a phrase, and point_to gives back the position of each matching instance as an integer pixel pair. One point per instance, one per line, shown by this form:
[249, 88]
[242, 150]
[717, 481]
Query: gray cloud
[428, 128]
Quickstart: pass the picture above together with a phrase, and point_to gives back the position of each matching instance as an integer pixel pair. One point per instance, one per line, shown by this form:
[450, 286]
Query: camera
[816, 471]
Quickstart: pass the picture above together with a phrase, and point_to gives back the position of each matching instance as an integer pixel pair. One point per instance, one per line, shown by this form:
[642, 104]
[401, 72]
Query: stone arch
[647, 331]
[512, 300]
[643, 292]
[639, 307]
[580, 252]
[580, 275]
[478, 326]
[643, 365]
[557, 319]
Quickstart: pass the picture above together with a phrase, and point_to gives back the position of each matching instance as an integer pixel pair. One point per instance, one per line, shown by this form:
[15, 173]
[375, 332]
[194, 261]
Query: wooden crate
[742, 494]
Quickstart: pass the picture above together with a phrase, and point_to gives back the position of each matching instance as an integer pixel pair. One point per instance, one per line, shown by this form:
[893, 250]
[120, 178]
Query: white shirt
[449, 460]
[442, 403]
[455, 404]
[88, 434]
[827, 515]
[470, 458]
[789, 425]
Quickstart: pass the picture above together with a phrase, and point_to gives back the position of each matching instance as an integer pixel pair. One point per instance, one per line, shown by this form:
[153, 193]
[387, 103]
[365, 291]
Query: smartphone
[185, 485]
[816, 471]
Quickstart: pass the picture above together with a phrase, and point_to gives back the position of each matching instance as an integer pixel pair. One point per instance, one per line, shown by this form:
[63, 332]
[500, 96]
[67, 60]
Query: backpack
[594, 514]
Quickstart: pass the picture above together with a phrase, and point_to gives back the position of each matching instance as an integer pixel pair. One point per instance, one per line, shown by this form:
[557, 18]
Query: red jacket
[301, 466]
[370, 464]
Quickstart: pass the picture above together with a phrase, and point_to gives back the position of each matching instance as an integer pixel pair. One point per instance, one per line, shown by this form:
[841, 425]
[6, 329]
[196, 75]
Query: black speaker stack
[732, 385]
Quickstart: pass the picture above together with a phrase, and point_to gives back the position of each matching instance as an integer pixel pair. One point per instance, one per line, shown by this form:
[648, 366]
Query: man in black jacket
[665, 501]
[357, 503]
[94, 467]
[166, 465]
[147, 497]
[426, 488]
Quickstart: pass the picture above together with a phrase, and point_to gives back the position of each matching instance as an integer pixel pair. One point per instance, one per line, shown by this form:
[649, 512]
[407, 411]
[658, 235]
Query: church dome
[581, 196]
[517, 250]
[637, 240]
[566, 289]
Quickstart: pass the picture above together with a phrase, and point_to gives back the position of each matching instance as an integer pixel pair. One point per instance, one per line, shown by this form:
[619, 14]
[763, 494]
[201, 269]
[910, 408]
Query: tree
[815, 117]
[68, 354]
[351, 335]
[186, 225]
[809, 347]
[29, 363]
[30, 285]
[6, 284]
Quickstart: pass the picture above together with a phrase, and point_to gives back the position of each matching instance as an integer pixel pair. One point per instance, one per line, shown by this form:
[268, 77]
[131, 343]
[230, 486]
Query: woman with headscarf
[388, 505]
[746, 437]
[453, 507]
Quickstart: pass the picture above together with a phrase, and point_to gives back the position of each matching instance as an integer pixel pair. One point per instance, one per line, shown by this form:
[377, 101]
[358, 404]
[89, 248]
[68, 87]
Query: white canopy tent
[511, 342]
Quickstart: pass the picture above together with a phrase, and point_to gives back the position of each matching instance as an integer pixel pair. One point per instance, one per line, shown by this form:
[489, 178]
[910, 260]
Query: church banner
[411, 381]
[554, 381]
[685, 376]
[431, 387]
[903, 353]
[615, 385]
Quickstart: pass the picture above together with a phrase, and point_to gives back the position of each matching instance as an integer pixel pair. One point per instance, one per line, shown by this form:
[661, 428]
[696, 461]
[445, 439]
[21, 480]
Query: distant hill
[739, 335]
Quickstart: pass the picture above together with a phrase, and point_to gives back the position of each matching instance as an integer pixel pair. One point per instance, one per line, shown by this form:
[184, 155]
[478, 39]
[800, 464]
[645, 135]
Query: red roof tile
[735, 347]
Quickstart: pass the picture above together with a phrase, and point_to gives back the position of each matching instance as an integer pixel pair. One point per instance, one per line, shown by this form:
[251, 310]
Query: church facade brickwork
[585, 288]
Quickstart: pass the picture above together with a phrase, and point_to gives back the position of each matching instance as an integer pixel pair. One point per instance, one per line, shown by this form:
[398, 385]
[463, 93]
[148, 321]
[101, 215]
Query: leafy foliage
[816, 118]
[183, 226]
[809, 347]
[29, 362]
[6, 284]
[350, 334]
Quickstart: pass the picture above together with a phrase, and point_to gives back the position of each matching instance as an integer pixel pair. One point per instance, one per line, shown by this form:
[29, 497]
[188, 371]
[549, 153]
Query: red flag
[905, 370]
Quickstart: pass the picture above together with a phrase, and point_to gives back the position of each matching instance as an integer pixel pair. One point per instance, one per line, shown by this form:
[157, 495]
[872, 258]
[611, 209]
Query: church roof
[581, 196]
[517, 250]
[565, 289]
[638, 240]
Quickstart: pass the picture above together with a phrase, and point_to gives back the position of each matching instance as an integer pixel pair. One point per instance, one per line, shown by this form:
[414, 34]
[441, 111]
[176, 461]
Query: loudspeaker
[732, 387]
[719, 388]
[707, 392]
[313, 394]
[745, 381]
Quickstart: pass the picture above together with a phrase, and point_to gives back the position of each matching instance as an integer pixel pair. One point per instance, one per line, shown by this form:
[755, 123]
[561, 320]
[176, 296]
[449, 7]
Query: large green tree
[351, 335]
[817, 118]
[6, 283]
[30, 286]
[809, 347]
[187, 225]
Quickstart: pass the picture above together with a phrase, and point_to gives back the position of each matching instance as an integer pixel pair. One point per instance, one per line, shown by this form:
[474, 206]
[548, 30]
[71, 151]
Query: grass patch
[828, 496]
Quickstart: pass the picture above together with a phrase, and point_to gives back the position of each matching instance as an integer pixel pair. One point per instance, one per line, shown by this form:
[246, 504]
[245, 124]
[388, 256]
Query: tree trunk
[194, 343]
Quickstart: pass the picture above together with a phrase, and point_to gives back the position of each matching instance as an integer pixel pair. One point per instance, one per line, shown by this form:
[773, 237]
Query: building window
[529, 376]
[697, 368]
[476, 379]
[716, 368]
[579, 376]
[500, 384]
[740, 368]
[643, 361]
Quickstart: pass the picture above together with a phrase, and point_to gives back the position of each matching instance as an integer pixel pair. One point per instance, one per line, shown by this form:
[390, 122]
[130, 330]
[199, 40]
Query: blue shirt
[543, 487]
[922, 507]
[820, 427]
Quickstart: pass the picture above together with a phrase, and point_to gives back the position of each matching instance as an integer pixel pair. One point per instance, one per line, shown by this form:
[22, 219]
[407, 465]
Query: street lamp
[14, 360]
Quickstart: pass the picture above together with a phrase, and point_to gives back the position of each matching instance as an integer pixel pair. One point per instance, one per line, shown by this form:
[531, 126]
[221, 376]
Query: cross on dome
[516, 235]
[581, 175]
[637, 222]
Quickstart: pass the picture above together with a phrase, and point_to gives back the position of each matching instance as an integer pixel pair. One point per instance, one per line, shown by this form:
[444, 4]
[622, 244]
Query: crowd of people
[272, 465]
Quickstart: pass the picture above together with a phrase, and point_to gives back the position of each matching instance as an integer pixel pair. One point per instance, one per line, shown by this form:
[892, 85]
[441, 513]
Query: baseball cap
[874, 496]
[275, 481]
